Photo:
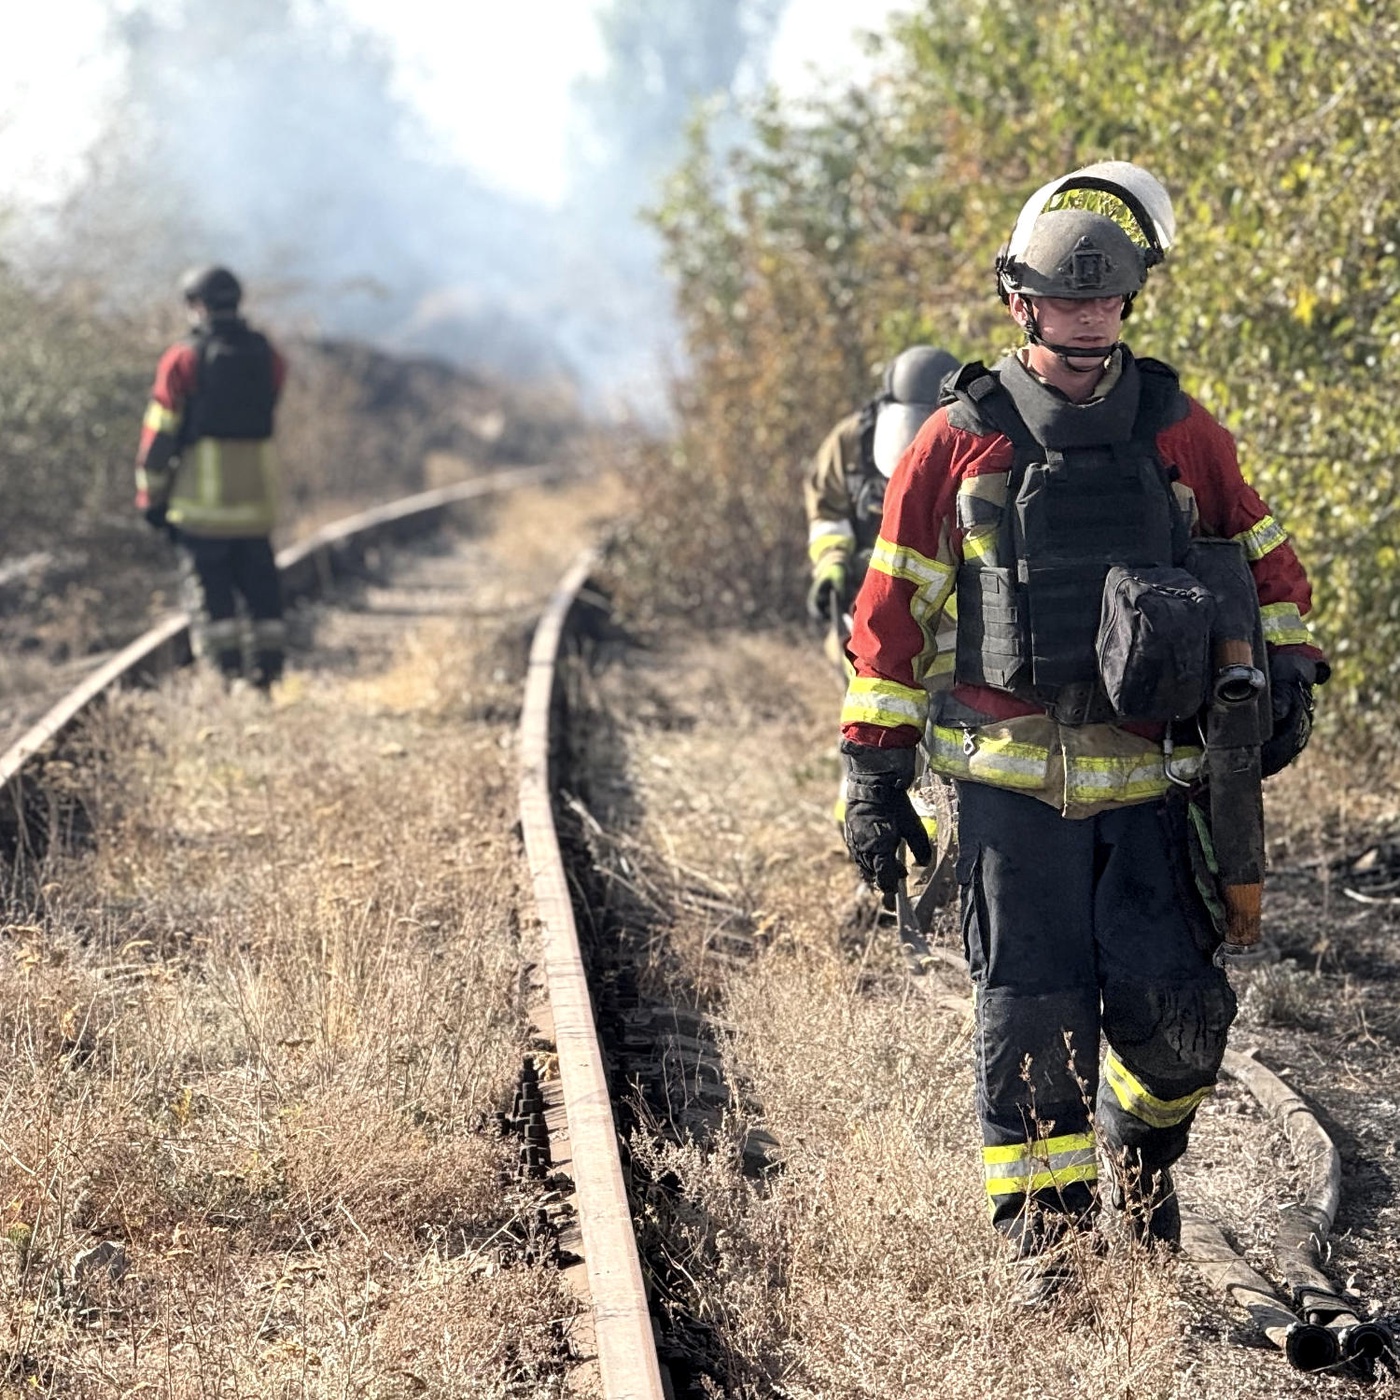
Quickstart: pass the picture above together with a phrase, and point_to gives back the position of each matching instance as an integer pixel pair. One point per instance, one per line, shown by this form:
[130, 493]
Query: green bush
[862, 222]
[73, 387]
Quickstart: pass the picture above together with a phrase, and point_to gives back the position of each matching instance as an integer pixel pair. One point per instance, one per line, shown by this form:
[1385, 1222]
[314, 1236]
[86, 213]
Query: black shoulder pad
[1163, 400]
[963, 394]
[966, 383]
[1150, 366]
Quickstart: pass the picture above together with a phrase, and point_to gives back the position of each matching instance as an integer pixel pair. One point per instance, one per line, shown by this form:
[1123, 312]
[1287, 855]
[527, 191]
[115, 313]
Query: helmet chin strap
[1097, 354]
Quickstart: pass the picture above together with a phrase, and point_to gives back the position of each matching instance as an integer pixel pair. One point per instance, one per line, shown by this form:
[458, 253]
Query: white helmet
[1141, 194]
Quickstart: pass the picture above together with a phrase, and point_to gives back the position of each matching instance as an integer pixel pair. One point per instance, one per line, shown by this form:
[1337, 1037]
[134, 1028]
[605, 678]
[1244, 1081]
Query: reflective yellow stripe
[994, 759]
[206, 472]
[899, 561]
[988, 754]
[253, 519]
[215, 497]
[1036, 1166]
[980, 541]
[1124, 778]
[1260, 539]
[209, 637]
[1135, 1099]
[885, 703]
[933, 585]
[928, 818]
[823, 536]
[160, 419]
[1284, 625]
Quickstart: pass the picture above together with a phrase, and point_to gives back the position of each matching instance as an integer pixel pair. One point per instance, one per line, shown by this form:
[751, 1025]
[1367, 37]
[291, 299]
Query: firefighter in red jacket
[1079, 910]
[206, 472]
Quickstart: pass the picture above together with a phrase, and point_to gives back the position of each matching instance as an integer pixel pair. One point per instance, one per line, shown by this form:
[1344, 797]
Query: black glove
[879, 815]
[1291, 681]
[155, 517]
[828, 588]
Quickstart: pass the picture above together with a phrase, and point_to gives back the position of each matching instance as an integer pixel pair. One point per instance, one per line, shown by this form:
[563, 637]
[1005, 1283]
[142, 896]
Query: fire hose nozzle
[1367, 1343]
[1310, 1347]
[1237, 684]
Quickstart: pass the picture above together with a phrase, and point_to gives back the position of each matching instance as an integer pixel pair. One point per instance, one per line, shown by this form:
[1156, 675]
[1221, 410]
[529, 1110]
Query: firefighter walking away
[206, 474]
[843, 492]
[1047, 518]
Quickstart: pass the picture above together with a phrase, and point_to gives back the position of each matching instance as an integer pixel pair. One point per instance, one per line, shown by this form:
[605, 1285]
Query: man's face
[1088, 321]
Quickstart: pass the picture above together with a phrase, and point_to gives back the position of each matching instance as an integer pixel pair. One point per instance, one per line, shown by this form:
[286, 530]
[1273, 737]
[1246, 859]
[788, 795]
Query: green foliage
[73, 390]
[868, 220]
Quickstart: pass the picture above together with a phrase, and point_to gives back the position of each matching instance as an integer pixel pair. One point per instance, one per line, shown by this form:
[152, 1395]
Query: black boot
[230, 663]
[1147, 1198]
[267, 669]
[1042, 1280]
[1045, 1257]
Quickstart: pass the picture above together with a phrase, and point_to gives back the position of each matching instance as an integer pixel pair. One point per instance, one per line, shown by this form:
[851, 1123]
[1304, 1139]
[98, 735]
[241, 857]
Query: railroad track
[662, 1053]
[587, 1105]
[308, 569]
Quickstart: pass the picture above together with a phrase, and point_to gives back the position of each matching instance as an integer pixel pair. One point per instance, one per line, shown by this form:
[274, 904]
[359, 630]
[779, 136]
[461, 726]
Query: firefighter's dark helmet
[1076, 253]
[215, 287]
[916, 375]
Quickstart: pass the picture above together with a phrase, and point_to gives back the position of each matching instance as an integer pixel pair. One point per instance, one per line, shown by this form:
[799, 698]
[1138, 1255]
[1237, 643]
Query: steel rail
[306, 569]
[626, 1345]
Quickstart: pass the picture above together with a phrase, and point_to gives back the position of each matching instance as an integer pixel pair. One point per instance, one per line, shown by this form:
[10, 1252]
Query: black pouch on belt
[1154, 643]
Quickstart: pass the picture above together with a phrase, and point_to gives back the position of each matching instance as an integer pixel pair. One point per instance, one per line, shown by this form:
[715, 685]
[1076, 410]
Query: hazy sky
[492, 78]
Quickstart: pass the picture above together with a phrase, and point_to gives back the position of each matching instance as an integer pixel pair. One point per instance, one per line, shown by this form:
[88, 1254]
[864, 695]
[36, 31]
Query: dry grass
[258, 1036]
[863, 1267]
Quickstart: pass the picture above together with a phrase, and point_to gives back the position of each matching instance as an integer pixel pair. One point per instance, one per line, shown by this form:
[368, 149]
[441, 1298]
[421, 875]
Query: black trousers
[220, 573]
[1073, 928]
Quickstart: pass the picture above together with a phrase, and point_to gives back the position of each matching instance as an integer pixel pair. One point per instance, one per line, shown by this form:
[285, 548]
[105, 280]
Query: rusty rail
[626, 1346]
[307, 569]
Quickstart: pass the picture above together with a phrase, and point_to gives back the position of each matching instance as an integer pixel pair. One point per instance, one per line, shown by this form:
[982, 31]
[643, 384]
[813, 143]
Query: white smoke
[267, 135]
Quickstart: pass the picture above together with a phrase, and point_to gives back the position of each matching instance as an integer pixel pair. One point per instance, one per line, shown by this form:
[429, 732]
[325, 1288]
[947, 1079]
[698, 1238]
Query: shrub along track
[264, 1015]
[798, 1109]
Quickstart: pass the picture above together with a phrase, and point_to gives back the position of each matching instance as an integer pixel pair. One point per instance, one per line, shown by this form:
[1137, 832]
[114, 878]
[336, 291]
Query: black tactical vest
[233, 394]
[1086, 490]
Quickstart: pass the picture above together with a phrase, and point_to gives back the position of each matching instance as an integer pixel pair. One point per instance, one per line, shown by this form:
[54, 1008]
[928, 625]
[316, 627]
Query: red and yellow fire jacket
[905, 629]
[213, 487]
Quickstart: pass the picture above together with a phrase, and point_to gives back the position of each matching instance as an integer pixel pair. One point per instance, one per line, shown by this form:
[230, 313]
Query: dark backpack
[234, 395]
